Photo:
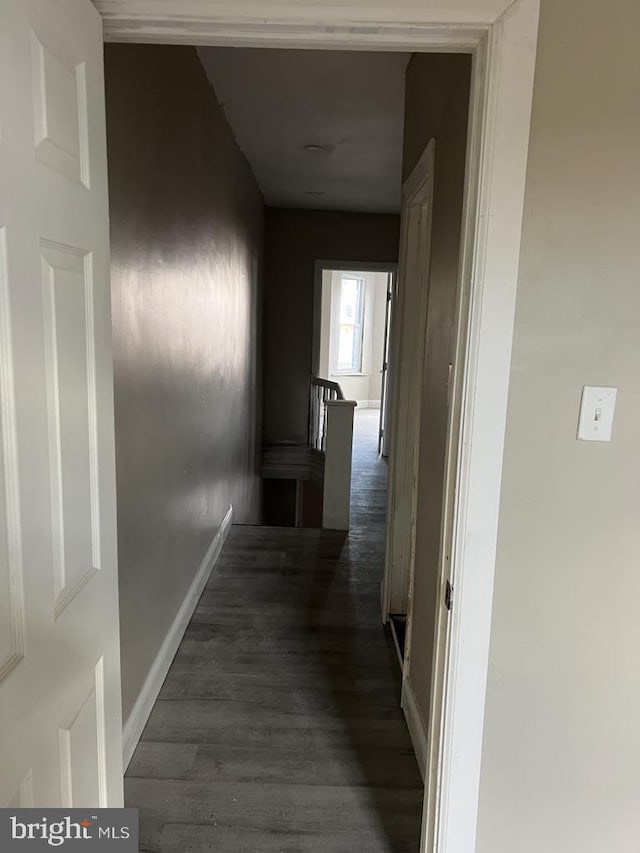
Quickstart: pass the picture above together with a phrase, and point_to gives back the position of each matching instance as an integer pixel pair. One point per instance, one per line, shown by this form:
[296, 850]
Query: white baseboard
[416, 726]
[141, 711]
[368, 404]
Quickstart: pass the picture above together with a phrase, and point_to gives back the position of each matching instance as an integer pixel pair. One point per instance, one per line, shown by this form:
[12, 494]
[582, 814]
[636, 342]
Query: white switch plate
[596, 413]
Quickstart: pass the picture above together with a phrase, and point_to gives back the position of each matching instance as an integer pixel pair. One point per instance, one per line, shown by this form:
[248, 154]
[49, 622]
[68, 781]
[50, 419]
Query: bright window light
[350, 325]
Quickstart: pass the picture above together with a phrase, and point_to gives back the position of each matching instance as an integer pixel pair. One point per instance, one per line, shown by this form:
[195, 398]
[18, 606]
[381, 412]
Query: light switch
[596, 413]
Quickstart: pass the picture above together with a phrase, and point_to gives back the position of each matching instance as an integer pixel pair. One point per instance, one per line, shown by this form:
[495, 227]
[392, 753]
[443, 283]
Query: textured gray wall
[294, 240]
[186, 237]
[561, 759]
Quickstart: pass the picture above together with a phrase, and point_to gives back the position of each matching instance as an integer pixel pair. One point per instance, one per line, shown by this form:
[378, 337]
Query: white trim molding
[502, 36]
[141, 711]
[420, 25]
[416, 726]
[494, 198]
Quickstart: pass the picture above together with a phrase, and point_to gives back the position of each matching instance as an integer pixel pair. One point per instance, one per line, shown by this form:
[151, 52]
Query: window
[350, 325]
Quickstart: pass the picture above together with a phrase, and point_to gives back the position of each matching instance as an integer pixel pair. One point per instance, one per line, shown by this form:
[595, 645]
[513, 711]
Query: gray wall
[561, 760]
[436, 106]
[294, 240]
[186, 238]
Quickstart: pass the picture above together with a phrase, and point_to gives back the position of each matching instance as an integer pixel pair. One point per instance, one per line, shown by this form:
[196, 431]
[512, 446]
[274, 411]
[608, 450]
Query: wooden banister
[322, 391]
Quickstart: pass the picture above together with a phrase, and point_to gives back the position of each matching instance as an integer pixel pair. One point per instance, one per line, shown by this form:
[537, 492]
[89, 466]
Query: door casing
[501, 35]
[408, 352]
[384, 440]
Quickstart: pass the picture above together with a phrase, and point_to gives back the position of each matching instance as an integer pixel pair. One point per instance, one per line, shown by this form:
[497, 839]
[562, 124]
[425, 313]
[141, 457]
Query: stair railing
[322, 391]
[331, 434]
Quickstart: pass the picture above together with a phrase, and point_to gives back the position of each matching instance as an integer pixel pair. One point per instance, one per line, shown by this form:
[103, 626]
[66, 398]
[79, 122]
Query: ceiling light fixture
[314, 146]
[315, 192]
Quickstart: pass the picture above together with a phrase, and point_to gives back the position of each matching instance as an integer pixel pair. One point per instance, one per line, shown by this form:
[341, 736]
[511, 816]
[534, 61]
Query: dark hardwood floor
[278, 729]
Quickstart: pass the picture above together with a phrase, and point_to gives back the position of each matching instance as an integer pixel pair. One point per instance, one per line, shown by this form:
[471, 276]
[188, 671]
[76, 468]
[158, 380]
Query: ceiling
[350, 103]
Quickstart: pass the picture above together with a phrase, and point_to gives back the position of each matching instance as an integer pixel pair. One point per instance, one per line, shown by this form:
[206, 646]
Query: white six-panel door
[60, 711]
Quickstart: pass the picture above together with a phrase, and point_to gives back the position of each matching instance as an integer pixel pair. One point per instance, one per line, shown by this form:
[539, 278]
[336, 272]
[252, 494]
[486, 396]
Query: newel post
[337, 466]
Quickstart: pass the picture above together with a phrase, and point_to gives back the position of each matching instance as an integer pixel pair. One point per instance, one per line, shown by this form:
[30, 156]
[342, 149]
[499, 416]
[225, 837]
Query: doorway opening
[60, 227]
[349, 326]
[351, 338]
[353, 304]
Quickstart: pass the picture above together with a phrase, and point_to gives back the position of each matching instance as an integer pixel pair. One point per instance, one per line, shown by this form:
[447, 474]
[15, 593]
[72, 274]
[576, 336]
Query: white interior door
[409, 328]
[60, 709]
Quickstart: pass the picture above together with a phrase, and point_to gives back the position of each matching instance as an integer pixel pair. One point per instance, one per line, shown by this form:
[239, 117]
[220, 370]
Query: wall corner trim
[141, 711]
[416, 726]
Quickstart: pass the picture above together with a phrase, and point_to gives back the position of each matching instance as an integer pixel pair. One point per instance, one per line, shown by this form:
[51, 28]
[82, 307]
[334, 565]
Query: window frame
[356, 368]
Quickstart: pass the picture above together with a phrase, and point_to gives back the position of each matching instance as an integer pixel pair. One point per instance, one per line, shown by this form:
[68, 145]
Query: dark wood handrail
[331, 386]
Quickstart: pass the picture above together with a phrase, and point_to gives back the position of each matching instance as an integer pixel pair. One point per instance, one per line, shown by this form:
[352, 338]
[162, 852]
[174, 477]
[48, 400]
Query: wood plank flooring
[278, 729]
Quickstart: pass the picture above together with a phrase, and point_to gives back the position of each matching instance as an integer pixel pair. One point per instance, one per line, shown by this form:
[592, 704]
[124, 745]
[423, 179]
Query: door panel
[60, 714]
[59, 103]
[67, 284]
[81, 747]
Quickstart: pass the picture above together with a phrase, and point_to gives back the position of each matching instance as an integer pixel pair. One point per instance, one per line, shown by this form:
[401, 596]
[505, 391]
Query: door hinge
[448, 596]
[389, 296]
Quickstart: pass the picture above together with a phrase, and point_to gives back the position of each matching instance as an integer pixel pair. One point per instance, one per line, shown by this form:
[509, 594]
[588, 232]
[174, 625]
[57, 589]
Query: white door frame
[384, 428]
[408, 353]
[501, 35]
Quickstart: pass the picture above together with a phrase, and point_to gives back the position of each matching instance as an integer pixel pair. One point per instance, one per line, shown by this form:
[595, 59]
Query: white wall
[377, 337]
[365, 387]
[325, 323]
[561, 760]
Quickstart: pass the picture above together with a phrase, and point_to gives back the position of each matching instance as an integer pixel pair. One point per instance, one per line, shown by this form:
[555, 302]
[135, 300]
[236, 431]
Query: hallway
[278, 727]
